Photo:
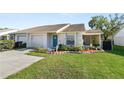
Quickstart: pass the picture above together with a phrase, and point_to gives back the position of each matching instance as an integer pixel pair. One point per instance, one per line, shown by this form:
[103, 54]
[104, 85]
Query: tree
[109, 25]
[98, 22]
[3, 28]
[116, 23]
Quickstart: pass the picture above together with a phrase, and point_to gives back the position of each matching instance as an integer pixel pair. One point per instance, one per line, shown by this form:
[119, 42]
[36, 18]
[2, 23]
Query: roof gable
[75, 28]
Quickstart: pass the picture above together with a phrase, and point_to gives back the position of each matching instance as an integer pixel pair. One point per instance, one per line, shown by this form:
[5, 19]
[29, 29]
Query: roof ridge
[55, 24]
[63, 28]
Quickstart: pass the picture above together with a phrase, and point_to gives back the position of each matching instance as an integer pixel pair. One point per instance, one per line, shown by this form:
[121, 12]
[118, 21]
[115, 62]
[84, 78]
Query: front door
[55, 40]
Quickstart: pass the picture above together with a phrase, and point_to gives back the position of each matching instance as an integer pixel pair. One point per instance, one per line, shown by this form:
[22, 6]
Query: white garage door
[37, 41]
[22, 38]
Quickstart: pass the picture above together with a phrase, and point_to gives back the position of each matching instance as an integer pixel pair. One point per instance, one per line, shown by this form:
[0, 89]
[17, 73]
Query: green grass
[108, 65]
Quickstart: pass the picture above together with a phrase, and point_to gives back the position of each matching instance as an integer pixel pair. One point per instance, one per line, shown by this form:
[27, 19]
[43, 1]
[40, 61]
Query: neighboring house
[119, 38]
[50, 36]
[7, 34]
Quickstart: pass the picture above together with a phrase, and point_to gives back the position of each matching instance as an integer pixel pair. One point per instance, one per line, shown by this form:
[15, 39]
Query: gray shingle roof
[47, 28]
[75, 28]
[56, 27]
[93, 31]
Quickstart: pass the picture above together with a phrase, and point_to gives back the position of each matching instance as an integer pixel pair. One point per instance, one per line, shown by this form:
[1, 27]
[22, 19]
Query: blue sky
[27, 20]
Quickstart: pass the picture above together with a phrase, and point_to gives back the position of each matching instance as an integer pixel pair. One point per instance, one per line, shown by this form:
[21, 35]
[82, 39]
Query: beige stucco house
[119, 37]
[49, 36]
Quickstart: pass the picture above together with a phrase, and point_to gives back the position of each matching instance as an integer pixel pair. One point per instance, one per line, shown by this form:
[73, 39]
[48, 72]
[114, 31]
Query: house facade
[119, 38]
[50, 36]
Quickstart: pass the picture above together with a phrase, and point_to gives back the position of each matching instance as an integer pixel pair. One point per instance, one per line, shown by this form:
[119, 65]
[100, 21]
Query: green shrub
[96, 45]
[68, 48]
[1, 46]
[62, 47]
[7, 44]
[41, 50]
[74, 48]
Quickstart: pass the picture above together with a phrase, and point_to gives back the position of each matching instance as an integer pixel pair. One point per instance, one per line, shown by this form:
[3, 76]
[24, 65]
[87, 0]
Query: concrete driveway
[14, 61]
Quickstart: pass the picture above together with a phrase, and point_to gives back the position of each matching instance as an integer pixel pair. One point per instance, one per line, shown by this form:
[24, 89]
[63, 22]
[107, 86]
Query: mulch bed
[89, 51]
[58, 52]
[82, 51]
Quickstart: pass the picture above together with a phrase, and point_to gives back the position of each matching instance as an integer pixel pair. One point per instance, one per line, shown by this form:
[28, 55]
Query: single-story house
[7, 34]
[119, 38]
[49, 36]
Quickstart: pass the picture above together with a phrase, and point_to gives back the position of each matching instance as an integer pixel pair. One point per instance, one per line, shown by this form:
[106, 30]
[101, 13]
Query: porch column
[75, 40]
[100, 41]
[7, 37]
[28, 41]
[82, 40]
[91, 40]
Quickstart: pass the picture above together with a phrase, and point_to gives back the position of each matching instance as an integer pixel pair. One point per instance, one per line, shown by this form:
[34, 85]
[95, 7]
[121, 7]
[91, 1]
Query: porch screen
[70, 39]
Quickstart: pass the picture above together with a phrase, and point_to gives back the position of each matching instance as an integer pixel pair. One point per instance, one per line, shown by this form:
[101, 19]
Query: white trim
[35, 32]
[75, 40]
[91, 33]
[72, 32]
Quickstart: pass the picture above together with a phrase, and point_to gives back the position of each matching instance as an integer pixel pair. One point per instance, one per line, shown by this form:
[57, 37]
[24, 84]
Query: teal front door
[55, 40]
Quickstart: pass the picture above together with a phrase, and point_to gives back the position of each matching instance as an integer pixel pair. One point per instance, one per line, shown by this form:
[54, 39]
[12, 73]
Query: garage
[22, 38]
[37, 41]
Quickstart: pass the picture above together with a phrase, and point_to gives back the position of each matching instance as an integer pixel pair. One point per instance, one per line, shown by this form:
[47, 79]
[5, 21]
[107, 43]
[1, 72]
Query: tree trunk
[105, 38]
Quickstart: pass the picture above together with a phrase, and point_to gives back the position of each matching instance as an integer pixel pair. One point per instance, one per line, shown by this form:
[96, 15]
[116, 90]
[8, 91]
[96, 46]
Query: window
[70, 39]
[12, 37]
[4, 37]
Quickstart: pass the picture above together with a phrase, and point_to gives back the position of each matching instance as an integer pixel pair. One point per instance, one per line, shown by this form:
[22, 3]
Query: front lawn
[76, 66]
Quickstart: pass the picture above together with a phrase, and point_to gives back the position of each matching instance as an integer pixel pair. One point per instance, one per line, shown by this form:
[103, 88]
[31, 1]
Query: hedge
[6, 44]
[69, 48]
[41, 50]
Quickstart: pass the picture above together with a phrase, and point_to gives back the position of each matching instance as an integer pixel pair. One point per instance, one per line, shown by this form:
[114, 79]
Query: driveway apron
[14, 61]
